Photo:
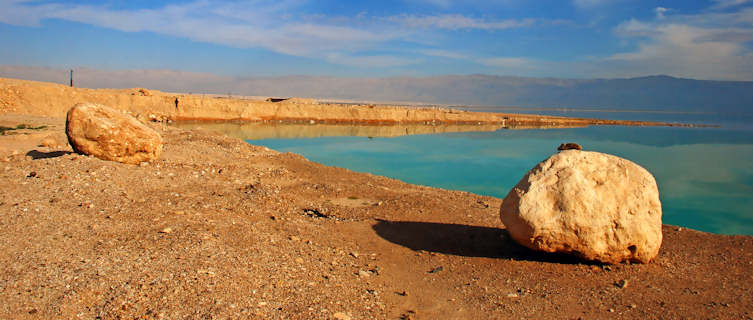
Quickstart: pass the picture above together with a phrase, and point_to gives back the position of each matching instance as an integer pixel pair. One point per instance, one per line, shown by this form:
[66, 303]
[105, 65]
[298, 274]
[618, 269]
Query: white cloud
[14, 12]
[476, 3]
[707, 45]
[458, 22]
[507, 62]
[660, 12]
[724, 4]
[245, 24]
[370, 61]
[268, 24]
[443, 54]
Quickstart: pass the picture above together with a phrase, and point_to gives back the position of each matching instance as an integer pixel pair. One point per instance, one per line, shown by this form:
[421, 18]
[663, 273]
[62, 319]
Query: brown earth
[221, 229]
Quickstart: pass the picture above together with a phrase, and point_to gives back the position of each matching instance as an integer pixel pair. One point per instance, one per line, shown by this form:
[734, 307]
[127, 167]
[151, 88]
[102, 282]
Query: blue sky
[250, 38]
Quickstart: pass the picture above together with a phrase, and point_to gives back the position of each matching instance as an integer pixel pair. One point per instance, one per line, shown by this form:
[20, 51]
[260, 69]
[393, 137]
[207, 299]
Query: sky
[259, 38]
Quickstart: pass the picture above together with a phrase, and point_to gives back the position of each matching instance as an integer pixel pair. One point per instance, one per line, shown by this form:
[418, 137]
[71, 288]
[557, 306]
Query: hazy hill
[653, 92]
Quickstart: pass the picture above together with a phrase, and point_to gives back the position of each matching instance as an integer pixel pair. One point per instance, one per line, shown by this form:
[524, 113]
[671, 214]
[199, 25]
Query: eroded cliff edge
[18, 96]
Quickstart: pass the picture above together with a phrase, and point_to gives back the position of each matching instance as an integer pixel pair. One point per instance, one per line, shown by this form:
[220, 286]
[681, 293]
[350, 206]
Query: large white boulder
[590, 204]
[109, 134]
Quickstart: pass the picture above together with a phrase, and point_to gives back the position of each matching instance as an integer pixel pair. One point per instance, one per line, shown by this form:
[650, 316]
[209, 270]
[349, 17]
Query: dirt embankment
[21, 96]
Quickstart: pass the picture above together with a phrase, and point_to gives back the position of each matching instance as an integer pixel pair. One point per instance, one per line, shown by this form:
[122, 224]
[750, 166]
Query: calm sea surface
[705, 175]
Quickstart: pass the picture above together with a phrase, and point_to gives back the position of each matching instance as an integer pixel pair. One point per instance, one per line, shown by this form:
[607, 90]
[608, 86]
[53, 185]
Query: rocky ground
[221, 229]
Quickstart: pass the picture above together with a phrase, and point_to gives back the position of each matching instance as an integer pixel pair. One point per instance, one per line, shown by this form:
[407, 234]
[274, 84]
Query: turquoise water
[705, 175]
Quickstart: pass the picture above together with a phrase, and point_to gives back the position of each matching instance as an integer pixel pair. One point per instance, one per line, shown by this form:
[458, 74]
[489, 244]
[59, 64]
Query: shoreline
[221, 228]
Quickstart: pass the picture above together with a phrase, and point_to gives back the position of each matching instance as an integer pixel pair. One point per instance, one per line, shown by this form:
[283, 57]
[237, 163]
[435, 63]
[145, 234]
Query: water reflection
[287, 130]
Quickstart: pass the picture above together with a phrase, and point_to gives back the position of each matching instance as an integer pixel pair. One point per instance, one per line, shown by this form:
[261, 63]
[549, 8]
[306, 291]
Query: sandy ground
[221, 229]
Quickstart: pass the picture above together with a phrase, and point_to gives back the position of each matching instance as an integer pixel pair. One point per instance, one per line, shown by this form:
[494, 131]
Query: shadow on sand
[463, 240]
[35, 154]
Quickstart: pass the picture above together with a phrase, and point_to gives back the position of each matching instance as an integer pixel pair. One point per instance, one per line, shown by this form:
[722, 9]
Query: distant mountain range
[645, 93]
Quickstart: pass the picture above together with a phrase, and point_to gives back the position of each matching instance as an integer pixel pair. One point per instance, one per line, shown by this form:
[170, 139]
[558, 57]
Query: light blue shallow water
[705, 175]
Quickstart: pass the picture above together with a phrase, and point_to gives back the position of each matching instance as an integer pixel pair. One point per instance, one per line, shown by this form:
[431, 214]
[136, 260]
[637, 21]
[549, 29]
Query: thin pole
[71, 78]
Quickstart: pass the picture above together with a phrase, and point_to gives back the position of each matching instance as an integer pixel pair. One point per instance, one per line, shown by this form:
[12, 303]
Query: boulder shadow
[36, 154]
[463, 240]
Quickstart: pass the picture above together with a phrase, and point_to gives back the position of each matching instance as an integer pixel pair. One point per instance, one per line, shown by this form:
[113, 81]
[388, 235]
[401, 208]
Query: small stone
[569, 146]
[299, 260]
[435, 270]
[512, 295]
[341, 316]
[294, 238]
[49, 142]
[354, 254]
[166, 230]
[610, 310]
[633, 306]
[363, 274]
[32, 174]
[622, 284]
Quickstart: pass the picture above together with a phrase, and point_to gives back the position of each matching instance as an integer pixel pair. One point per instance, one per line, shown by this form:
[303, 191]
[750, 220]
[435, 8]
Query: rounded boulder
[593, 205]
[109, 134]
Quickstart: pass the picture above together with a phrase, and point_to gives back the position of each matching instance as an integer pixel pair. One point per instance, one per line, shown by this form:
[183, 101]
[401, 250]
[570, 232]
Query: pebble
[299, 260]
[622, 284]
[363, 274]
[166, 230]
[512, 295]
[435, 270]
[341, 316]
